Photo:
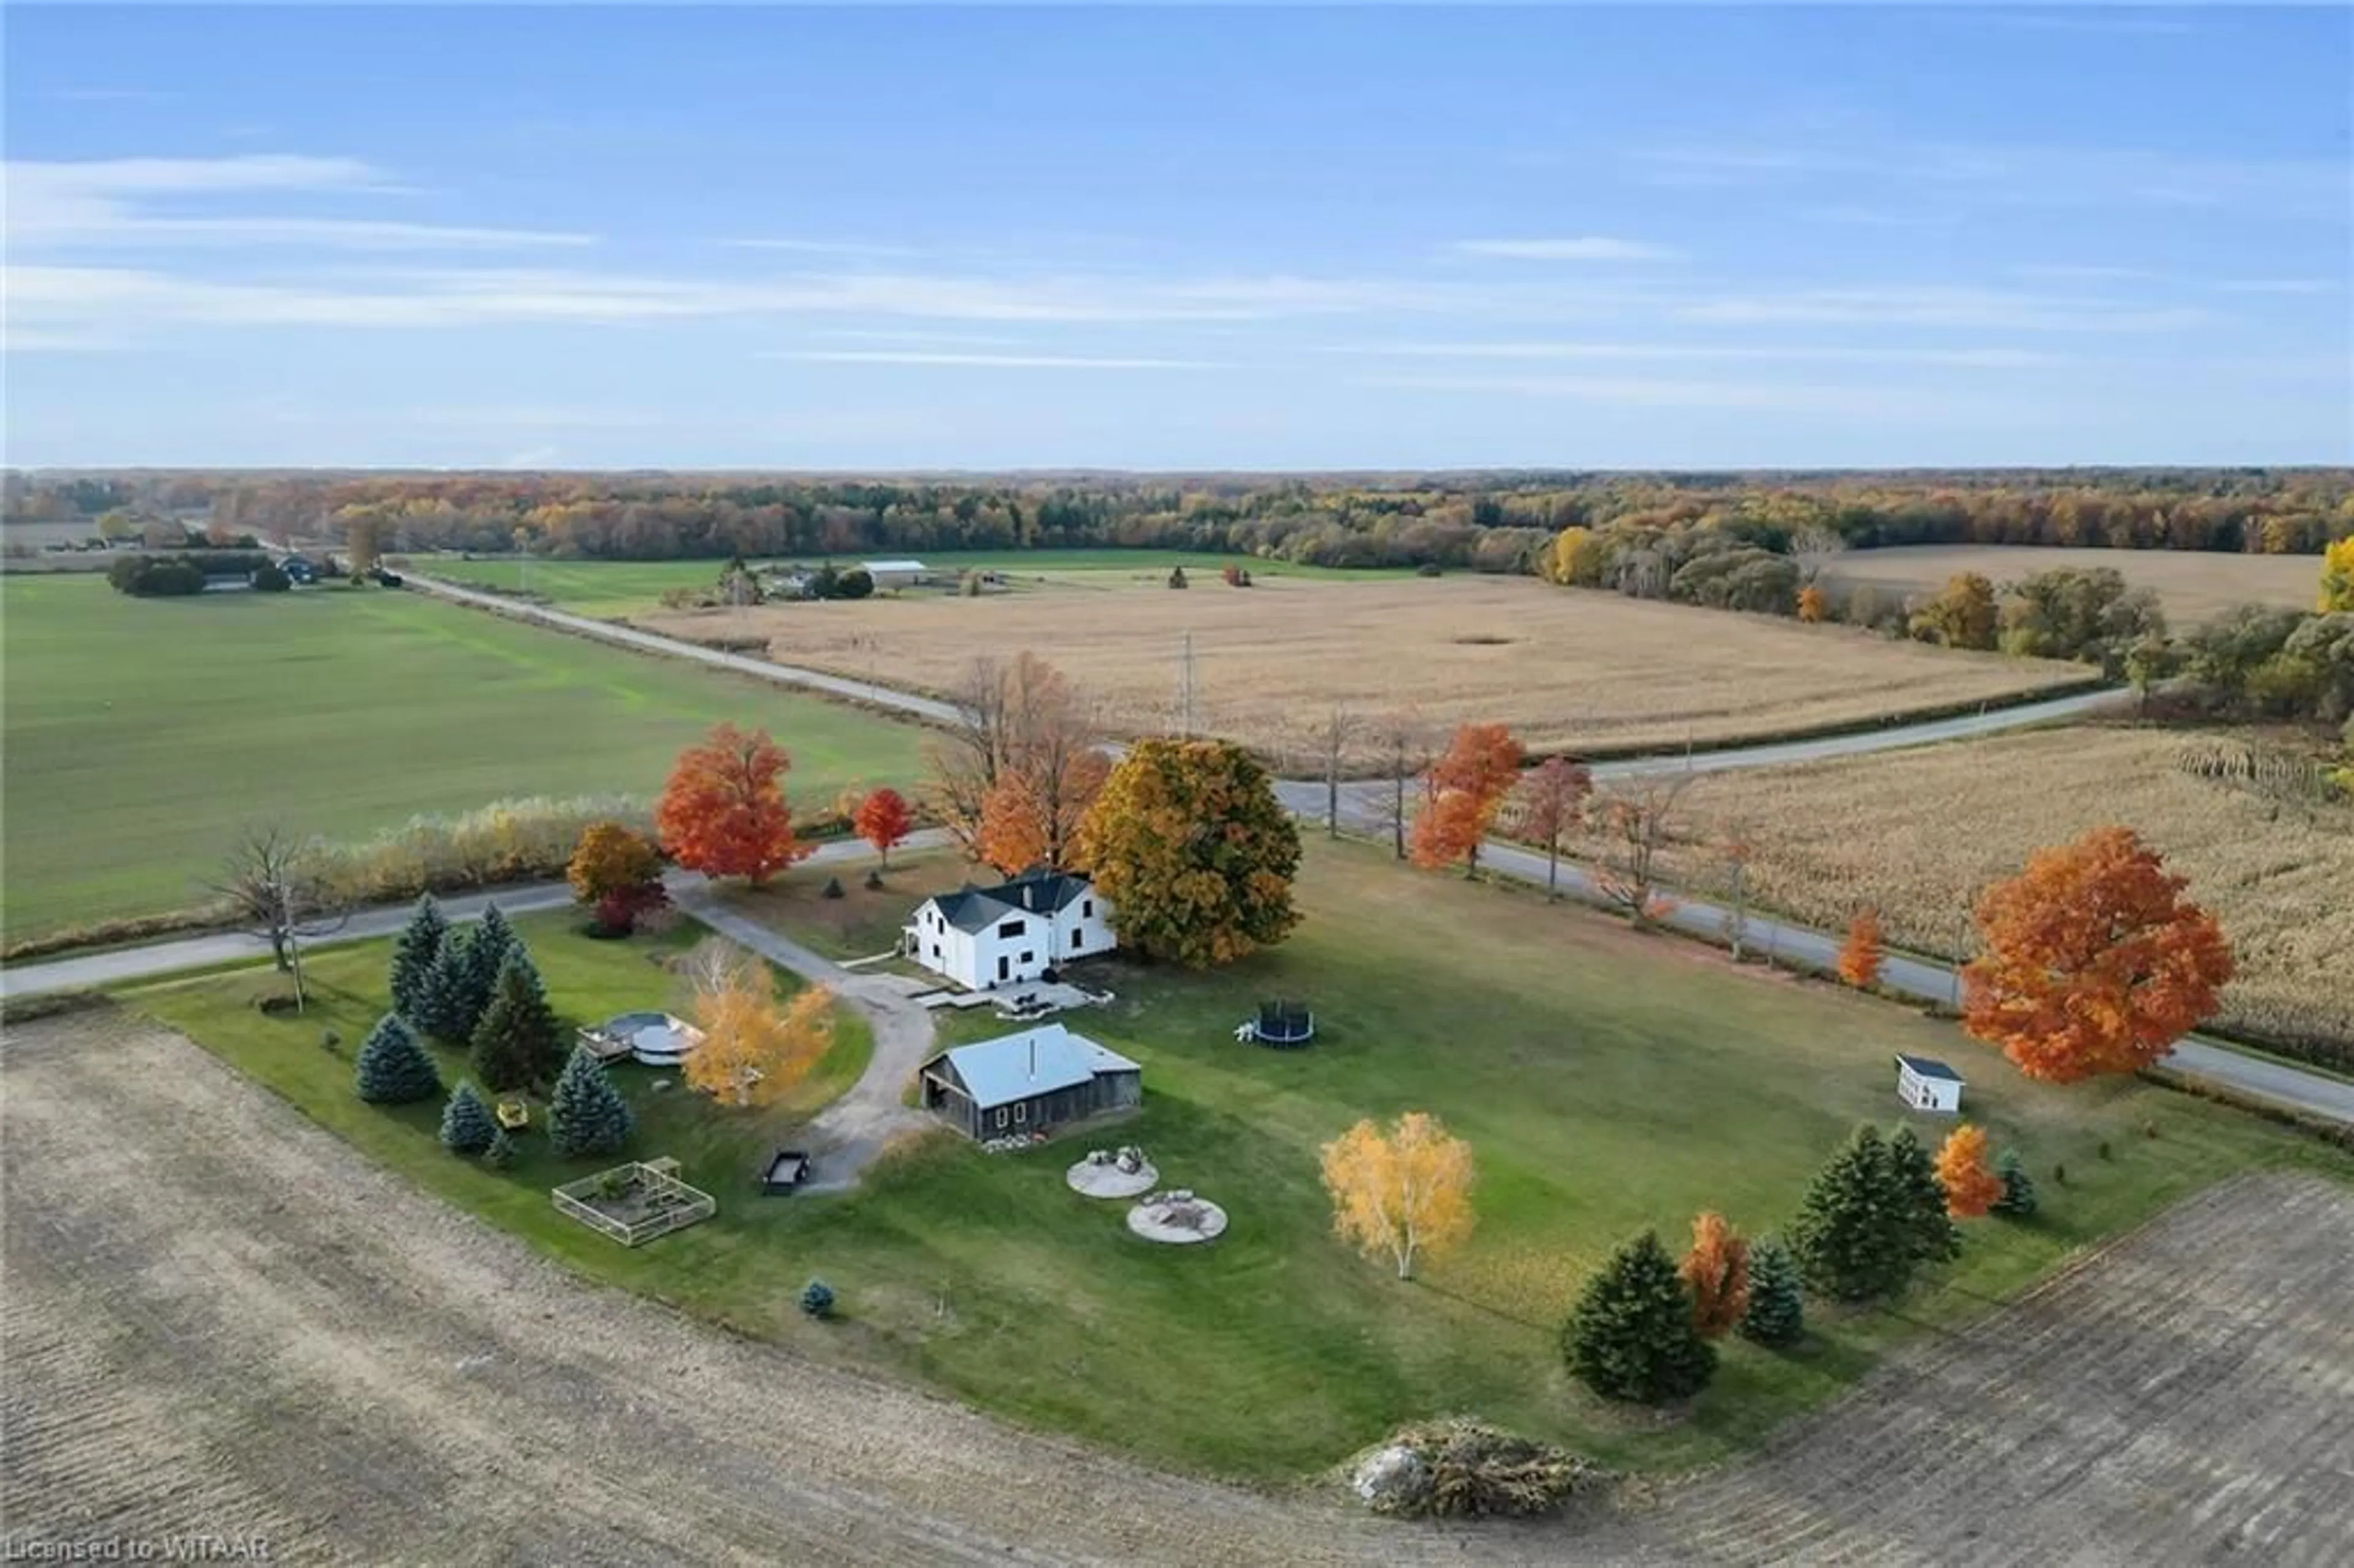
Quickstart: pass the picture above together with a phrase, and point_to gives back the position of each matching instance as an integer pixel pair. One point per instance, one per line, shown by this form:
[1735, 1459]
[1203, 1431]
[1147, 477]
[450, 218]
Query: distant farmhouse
[986, 936]
[1028, 1083]
[894, 574]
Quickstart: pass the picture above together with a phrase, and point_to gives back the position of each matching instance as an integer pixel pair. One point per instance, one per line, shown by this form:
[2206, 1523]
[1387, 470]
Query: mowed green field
[141, 735]
[627, 587]
[1606, 1082]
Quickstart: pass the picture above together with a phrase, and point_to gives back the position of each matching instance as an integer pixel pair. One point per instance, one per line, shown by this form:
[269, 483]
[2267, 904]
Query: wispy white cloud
[1583, 248]
[2000, 174]
[119, 303]
[1955, 358]
[1651, 392]
[988, 361]
[2282, 285]
[111, 204]
[824, 247]
[1973, 309]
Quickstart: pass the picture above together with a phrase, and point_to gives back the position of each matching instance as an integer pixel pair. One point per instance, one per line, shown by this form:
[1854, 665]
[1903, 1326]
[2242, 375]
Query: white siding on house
[1018, 946]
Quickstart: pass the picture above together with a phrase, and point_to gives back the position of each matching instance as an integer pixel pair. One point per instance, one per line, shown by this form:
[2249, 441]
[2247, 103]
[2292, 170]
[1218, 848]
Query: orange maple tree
[723, 811]
[1813, 604]
[883, 820]
[1717, 1270]
[2094, 961]
[1466, 788]
[1971, 1186]
[1031, 816]
[1859, 961]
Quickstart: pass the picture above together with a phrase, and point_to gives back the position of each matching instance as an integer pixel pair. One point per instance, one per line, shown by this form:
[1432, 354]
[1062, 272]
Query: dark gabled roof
[1033, 893]
[1928, 1067]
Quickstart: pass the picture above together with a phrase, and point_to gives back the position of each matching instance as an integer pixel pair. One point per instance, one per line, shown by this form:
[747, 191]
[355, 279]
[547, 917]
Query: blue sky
[1226, 238]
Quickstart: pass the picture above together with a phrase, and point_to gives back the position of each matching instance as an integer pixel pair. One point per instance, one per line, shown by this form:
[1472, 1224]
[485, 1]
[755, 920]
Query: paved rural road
[151, 960]
[930, 709]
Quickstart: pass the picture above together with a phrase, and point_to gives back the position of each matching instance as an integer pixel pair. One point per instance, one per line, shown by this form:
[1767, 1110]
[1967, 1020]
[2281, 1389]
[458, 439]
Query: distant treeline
[1485, 522]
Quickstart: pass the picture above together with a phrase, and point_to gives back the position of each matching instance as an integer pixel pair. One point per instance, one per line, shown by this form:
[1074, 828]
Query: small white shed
[1924, 1083]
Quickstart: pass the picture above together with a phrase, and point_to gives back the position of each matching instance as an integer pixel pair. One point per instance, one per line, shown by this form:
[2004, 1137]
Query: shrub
[467, 1125]
[1776, 1316]
[271, 580]
[502, 1153]
[1631, 1335]
[2018, 1200]
[1429, 569]
[507, 840]
[393, 1068]
[611, 858]
[855, 583]
[1461, 1469]
[817, 1299]
[874, 883]
[832, 887]
[586, 1115]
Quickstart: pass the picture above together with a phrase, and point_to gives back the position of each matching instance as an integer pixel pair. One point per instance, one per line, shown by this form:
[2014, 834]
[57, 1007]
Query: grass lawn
[627, 587]
[1608, 1083]
[142, 733]
[588, 981]
[863, 921]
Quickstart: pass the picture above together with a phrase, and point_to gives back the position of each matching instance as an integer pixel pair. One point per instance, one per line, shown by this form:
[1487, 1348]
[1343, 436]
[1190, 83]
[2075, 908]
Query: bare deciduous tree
[273, 885]
[1334, 738]
[1738, 844]
[1547, 806]
[1635, 817]
[1018, 720]
[1404, 742]
[1812, 548]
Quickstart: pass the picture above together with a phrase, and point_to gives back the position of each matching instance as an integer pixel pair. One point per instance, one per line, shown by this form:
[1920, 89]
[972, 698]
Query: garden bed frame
[662, 1203]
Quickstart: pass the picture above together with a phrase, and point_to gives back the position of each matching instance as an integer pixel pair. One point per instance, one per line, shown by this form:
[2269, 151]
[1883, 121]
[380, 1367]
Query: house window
[1028, 957]
[1000, 1116]
[1011, 928]
[1022, 1113]
[1087, 908]
[936, 949]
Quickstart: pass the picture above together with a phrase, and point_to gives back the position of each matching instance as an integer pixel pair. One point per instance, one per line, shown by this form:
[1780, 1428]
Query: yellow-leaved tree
[751, 1053]
[2338, 576]
[1402, 1193]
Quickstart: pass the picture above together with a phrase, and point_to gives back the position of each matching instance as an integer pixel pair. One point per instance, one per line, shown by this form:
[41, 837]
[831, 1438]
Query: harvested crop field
[1918, 833]
[1563, 667]
[2185, 1396]
[2192, 584]
[296, 1346]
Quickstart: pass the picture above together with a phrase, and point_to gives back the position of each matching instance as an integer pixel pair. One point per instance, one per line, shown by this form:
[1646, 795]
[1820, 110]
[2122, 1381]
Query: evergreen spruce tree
[1852, 1239]
[501, 1154]
[393, 1068]
[1631, 1335]
[518, 1042]
[440, 1009]
[1921, 1199]
[1777, 1314]
[2018, 1200]
[467, 1125]
[487, 946]
[586, 1115]
[413, 957]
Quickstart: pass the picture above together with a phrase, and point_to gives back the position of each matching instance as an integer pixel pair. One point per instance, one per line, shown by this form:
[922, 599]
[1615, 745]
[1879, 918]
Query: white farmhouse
[982, 937]
[1927, 1084]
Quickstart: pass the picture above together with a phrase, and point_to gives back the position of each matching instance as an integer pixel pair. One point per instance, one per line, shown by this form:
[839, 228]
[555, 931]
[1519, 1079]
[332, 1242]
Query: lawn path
[849, 1133]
